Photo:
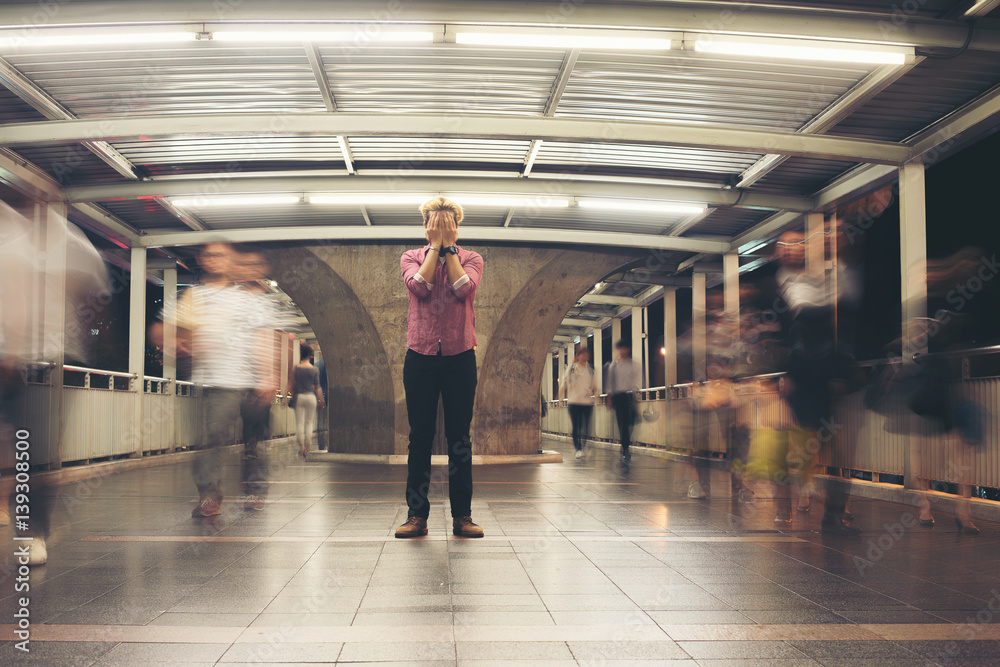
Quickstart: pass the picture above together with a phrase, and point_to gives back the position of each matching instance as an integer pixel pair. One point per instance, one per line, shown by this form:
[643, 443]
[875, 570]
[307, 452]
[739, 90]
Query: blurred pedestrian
[624, 379]
[228, 331]
[578, 387]
[68, 268]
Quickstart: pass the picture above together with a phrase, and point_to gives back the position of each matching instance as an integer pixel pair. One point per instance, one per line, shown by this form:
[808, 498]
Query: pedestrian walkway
[582, 564]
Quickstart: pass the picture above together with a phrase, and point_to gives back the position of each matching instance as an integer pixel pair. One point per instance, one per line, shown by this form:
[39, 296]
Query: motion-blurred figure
[249, 271]
[817, 372]
[227, 328]
[929, 386]
[622, 380]
[712, 397]
[26, 268]
[578, 387]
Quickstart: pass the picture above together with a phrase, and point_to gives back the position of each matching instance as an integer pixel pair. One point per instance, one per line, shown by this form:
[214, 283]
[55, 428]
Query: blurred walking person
[72, 271]
[228, 331]
[623, 381]
[578, 387]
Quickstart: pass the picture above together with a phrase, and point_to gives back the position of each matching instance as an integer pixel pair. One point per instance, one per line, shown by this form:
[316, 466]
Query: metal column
[638, 334]
[137, 346]
[670, 336]
[913, 265]
[52, 219]
[170, 352]
[547, 378]
[698, 346]
[598, 361]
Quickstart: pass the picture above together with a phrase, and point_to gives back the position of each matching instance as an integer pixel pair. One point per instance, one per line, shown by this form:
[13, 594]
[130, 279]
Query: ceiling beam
[189, 219]
[412, 233]
[26, 178]
[542, 187]
[45, 104]
[764, 231]
[949, 133]
[841, 108]
[744, 19]
[572, 322]
[661, 133]
[608, 300]
[108, 225]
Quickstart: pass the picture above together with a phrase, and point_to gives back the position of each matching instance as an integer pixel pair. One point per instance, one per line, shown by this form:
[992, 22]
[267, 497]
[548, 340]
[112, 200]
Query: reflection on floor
[582, 564]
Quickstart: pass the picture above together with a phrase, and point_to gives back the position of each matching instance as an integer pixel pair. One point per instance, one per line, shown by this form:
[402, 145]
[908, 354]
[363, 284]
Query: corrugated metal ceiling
[702, 88]
[931, 90]
[198, 77]
[441, 79]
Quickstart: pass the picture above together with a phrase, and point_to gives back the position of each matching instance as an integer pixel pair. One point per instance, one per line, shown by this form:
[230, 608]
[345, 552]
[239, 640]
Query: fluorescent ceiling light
[554, 41]
[848, 53]
[372, 199]
[201, 202]
[648, 206]
[359, 35]
[541, 201]
[110, 39]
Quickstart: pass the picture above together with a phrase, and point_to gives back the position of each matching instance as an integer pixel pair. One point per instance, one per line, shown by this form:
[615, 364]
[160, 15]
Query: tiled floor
[582, 564]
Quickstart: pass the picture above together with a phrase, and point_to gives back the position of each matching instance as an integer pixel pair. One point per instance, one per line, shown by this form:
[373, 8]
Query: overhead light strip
[358, 36]
[793, 49]
[555, 41]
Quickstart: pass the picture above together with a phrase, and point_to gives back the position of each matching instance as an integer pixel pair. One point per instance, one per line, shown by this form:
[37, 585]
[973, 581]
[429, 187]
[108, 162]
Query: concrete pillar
[598, 361]
[913, 264]
[616, 333]
[170, 353]
[137, 345]
[670, 335]
[698, 327]
[638, 335]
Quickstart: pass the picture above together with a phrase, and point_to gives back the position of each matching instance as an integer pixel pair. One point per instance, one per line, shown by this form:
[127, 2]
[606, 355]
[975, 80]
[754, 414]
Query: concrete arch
[507, 399]
[361, 400]
[355, 299]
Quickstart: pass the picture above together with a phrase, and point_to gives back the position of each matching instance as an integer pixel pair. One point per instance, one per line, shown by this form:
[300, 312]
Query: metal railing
[98, 411]
[889, 442]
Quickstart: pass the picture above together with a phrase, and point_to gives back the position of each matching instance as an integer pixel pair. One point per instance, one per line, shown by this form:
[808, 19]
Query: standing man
[623, 378]
[577, 385]
[441, 279]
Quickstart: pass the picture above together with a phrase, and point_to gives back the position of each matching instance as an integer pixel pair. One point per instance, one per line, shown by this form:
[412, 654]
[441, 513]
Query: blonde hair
[441, 204]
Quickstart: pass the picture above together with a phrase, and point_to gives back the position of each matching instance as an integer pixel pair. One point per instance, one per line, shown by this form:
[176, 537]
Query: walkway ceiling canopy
[691, 128]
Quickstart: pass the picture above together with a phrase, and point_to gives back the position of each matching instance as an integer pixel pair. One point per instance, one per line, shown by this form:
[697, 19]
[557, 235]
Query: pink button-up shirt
[441, 312]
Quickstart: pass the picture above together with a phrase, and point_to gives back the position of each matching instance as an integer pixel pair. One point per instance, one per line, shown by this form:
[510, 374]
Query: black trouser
[580, 415]
[253, 465]
[453, 378]
[624, 404]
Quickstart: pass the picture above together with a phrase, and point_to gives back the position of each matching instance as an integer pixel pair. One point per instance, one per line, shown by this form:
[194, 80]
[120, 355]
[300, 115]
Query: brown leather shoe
[462, 526]
[415, 526]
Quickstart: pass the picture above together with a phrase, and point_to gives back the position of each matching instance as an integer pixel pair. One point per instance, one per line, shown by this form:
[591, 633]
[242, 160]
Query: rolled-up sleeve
[410, 265]
[473, 266]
